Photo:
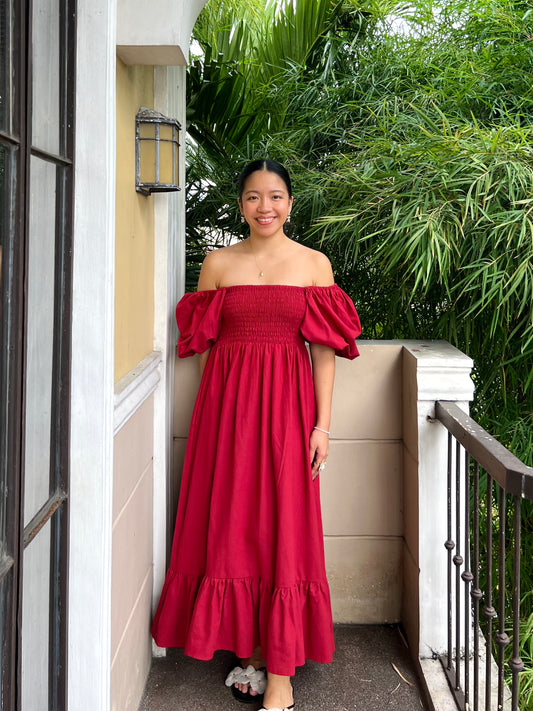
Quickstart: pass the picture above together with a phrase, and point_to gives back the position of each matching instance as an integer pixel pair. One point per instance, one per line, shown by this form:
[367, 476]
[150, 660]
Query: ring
[321, 466]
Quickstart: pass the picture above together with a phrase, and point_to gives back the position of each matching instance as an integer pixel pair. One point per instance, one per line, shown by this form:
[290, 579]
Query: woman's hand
[318, 450]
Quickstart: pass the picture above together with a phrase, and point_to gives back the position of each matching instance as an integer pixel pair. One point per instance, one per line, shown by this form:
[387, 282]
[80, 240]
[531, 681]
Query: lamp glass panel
[165, 132]
[175, 150]
[165, 162]
[147, 130]
[147, 160]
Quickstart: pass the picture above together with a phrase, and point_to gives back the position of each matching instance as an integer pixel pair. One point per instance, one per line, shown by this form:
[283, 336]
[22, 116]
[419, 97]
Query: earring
[288, 217]
[242, 219]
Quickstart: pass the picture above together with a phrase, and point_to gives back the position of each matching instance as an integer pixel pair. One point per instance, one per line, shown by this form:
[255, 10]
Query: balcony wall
[362, 496]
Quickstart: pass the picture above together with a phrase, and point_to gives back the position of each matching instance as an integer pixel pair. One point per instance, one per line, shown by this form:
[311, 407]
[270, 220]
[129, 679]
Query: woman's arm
[203, 360]
[207, 280]
[323, 360]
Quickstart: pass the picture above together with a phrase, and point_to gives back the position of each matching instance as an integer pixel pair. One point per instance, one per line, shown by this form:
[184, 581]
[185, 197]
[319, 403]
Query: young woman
[247, 570]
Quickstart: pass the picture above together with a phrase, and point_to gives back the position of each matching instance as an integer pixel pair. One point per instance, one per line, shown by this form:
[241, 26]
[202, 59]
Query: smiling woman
[265, 201]
[247, 570]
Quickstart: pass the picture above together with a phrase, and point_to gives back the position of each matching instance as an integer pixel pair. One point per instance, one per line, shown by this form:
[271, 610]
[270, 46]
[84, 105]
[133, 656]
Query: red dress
[247, 566]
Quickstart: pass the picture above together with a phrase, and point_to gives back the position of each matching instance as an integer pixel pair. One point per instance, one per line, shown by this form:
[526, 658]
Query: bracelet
[321, 430]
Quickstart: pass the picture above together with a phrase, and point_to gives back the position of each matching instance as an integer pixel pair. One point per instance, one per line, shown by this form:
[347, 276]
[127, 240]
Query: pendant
[261, 274]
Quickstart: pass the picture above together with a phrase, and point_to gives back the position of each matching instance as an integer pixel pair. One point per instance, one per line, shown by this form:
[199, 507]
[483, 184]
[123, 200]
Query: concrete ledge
[439, 693]
[438, 689]
[164, 39]
[151, 55]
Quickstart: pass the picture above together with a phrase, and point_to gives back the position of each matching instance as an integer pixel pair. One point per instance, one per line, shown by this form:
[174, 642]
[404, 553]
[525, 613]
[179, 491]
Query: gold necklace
[261, 273]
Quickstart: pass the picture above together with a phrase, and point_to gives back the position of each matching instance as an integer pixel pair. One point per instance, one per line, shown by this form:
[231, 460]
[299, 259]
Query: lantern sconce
[156, 152]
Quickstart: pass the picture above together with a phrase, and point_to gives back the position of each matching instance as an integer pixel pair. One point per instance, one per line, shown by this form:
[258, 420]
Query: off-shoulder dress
[247, 564]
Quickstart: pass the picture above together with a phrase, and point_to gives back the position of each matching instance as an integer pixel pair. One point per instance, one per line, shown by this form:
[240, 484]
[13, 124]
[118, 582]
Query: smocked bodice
[269, 314]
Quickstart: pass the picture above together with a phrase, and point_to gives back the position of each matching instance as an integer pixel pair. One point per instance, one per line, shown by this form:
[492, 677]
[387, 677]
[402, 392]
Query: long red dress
[247, 566]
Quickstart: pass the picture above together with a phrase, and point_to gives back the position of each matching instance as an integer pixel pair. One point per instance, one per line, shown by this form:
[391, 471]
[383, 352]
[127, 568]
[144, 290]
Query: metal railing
[486, 486]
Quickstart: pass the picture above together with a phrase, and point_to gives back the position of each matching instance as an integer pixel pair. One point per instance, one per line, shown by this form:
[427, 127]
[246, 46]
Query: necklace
[261, 273]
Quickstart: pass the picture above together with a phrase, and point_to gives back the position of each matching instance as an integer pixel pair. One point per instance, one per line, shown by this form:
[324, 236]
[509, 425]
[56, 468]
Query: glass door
[36, 174]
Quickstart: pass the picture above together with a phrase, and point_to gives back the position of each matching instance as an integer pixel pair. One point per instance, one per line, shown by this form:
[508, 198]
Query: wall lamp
[156, 152]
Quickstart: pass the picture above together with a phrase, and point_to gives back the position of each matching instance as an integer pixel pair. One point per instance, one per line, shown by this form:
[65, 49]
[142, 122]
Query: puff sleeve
[331, 320]
[198, 317]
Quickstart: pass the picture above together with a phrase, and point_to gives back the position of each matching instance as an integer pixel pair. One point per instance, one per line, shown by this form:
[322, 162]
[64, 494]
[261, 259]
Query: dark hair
[264, 164]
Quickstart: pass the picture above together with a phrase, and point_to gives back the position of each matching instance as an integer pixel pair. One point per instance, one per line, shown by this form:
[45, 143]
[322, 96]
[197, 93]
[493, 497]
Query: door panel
[39, 335]
[46, 88]
[35, 623]
[37, 50]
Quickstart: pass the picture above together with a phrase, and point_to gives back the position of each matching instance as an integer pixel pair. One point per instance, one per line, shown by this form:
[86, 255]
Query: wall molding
[134, 388]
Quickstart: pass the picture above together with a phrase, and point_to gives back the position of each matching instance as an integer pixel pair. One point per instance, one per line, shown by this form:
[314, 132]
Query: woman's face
[265, 203]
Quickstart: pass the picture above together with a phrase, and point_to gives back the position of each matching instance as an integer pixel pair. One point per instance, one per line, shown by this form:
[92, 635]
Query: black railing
[486, 485]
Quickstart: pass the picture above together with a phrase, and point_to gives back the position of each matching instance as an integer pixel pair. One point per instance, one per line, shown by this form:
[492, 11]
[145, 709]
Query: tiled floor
[371, 671]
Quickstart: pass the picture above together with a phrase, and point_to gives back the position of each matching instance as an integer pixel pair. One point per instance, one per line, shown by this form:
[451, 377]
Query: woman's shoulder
[221, 254]
[215, 264]
[317, 264]
[309, 252]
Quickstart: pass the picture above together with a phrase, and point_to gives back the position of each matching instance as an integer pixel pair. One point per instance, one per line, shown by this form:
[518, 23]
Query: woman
[247, 570]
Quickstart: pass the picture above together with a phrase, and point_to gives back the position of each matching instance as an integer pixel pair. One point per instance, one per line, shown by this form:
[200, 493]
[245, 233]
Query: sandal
[285, 709]
[255, 678]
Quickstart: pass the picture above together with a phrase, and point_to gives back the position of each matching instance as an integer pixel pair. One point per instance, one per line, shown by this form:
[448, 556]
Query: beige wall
[362, 488]
[362, 496]
[134, 246]
[131, 592]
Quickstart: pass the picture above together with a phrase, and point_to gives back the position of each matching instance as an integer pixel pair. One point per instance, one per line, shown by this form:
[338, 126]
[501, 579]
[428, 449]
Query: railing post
[432, 370]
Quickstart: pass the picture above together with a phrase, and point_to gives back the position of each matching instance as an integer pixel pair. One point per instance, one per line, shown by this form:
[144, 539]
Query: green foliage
[525, 679]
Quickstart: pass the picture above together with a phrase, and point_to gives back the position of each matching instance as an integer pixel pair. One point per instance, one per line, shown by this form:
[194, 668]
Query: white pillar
[91, 435]
[432, 370]
[169, 285]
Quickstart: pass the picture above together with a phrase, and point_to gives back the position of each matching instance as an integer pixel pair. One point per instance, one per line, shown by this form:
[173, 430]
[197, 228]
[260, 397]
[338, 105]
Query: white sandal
[285, 709]
[255, 678]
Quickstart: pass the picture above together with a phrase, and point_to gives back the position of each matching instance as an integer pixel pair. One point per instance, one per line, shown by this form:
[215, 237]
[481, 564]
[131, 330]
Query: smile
[265, 220]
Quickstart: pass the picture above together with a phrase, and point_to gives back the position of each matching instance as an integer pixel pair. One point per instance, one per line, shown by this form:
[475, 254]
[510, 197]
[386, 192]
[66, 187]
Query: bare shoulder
[214, 266]
[210, 271]
[317, 264]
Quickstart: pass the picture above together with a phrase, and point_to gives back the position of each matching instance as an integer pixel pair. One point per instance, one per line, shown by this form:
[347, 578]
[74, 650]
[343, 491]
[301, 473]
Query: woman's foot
[278, 694]
[258, 663]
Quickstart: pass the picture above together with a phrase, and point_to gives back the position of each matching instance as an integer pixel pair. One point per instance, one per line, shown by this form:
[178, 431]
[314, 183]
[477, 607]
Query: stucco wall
[362, 487]
[134, 246]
